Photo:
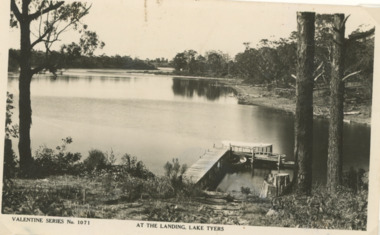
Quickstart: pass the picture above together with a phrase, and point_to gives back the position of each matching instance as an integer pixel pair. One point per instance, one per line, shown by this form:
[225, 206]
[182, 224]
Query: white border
[129, 227]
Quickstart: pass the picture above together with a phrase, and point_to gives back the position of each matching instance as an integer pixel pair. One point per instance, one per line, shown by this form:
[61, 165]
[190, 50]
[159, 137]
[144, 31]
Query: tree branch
[38, 69]
[315, 79]
[51, 69]
[343, 24]
[40, 38]
[350, 75]
[320, 66]
[15, 10]
[361, 35]
[56, 34]
[46, 10]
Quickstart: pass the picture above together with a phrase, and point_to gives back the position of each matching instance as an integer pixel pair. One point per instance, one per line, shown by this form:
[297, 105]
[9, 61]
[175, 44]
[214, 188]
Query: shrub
[189, 190]
[355, 179]
[245, 190]
[37, 200]
[164, 212]
[343, 209]
[135, 168]
[96, 160]
[10, 130]
[110, 157]
[50, 162]
[174, 171]
[131, 188]
[10, 160]
[159, 187]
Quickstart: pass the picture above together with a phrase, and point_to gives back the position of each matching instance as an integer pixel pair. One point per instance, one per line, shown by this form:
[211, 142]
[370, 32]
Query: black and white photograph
[189, 116]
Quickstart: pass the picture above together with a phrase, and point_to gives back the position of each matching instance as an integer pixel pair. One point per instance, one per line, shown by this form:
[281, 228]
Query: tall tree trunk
[25, 109]
[25, 116]
[304, 102]
[334, 157]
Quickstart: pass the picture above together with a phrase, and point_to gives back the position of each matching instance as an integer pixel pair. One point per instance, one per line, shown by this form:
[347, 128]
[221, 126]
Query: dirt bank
[253, 95]
[261, 96]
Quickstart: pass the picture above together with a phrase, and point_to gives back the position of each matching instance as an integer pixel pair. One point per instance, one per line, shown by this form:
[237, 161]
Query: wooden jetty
[248, 147]
[208, 166]
[258, 152]
[211, 166]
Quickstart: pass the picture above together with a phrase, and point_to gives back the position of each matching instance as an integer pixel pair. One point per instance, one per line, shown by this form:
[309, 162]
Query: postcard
[189, 116]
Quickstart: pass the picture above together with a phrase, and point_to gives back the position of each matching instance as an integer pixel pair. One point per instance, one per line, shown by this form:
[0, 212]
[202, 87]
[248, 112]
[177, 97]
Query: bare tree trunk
[25, 118]
[25, 109]
[304, 103]
[334, 157]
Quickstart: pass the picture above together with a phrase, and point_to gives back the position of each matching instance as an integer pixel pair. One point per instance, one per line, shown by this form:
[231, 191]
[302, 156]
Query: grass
[154, 200]
[130, 191]
[343, 209]
[101, 197]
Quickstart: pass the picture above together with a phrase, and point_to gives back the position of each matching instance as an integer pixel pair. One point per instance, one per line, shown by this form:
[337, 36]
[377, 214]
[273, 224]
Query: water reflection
[212, 90]
[157, 118]
[88, 79]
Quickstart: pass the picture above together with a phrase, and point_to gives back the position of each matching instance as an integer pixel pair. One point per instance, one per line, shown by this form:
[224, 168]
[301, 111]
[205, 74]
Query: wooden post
[253, 155]
[230, 151]
[84, 195]
[276, 183]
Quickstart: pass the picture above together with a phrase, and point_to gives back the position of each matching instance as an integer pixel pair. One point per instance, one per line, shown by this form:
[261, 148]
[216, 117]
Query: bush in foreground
[344, 209]
[58, 161]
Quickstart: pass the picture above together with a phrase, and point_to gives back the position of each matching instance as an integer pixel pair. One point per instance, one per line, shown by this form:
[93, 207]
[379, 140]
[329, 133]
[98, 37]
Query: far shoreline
[248, 94]
[258, 95]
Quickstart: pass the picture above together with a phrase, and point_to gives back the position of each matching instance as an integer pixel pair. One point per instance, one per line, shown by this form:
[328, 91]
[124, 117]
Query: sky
[162, 28]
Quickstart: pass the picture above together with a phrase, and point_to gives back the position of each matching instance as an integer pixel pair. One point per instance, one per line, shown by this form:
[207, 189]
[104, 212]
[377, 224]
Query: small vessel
[239, 160]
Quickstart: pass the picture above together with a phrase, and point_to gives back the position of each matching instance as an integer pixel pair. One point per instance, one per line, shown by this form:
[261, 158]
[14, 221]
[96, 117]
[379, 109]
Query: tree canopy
[274, 61]
[46, 21]
[41, 22]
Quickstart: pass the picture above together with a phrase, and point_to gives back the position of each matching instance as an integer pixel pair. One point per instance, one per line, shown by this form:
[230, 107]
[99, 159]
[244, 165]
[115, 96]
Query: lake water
[157, 118]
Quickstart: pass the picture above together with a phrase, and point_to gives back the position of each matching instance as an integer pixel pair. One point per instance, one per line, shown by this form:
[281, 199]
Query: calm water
[157, 118]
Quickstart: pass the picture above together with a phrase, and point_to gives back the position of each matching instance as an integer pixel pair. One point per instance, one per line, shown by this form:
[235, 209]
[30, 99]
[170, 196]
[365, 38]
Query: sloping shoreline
[261, 96]
[249, 95]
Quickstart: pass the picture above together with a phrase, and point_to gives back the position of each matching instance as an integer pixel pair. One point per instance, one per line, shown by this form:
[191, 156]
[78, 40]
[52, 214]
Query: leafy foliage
[49, 162]
[174, 171]
[41, 22]
[134, 167]
[96, 160]
[343, 209]
[245, 190]
[273, 62]
[71, 56]
[214, 63]
[10, 130]
[50, 19]
[10, 160]
[89, 41]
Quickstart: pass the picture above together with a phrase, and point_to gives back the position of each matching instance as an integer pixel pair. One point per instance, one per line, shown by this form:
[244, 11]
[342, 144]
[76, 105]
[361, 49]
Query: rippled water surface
[157, 118]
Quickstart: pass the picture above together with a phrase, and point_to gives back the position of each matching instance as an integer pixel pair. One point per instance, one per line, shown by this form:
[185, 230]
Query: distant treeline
[65, 60]
[273, 62]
